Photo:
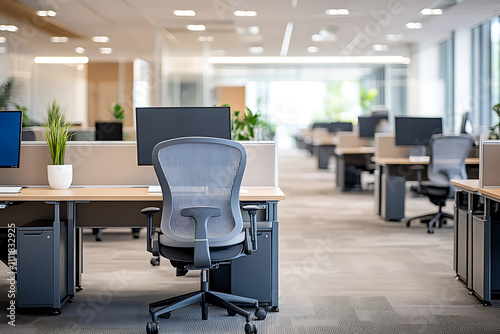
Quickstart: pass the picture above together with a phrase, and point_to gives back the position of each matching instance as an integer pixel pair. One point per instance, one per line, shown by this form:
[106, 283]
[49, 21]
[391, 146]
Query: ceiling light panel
[256, 49]
[8, 27]
[413, 25]
[100, 39]
[59, 39]
[79, 50]
[61, 60]
[312, 49]
[431, 11]
[341, 11]
[105, 51]
[196, 27]
[45, 13]
[184, 12]
[245, 13]
[3, 39]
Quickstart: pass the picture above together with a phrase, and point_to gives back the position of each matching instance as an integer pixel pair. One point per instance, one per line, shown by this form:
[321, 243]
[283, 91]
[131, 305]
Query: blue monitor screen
[10, 138]
[416, 130]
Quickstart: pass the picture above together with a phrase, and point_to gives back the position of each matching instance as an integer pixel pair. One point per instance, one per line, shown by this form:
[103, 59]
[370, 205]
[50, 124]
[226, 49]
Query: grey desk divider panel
[489, 162]
[115, 164]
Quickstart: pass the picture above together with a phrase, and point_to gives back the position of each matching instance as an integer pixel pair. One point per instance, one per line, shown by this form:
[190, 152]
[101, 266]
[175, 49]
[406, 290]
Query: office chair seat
[167, 240]
[447, 161]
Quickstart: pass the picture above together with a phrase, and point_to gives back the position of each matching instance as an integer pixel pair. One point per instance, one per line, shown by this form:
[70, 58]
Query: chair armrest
[252, 212]
[152, 245]
[201, 215]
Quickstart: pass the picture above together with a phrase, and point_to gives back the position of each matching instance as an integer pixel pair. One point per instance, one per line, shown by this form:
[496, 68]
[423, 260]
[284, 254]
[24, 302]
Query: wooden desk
[351, 161]
[120, 207]
[392, 174]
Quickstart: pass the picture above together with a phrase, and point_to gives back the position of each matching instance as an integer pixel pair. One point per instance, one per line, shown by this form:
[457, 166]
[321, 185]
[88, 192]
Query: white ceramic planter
[60, 176]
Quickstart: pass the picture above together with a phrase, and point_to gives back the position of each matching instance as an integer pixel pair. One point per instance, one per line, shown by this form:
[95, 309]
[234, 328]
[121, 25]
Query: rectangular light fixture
[61, 60]
[340, 11]
[286, 39]
[245, 13]
[312, 60]
[184, 12]
[8, 27]
[196, 27]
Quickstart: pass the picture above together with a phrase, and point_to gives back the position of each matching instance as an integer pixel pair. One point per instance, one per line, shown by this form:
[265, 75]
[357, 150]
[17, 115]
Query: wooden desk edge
[123, 194]
[469, 185]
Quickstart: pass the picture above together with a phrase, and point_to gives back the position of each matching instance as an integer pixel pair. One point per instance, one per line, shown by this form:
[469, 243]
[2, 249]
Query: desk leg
[272, 215]
[78, 258]
[71, 249]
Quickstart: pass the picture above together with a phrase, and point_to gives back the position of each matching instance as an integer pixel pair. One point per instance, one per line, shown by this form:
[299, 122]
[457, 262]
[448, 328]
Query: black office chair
[447, 161]
[201, 224]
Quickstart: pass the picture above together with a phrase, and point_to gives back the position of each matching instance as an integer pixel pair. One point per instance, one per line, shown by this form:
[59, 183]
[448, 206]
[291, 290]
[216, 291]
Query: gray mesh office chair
[201, 223]
[447, 161]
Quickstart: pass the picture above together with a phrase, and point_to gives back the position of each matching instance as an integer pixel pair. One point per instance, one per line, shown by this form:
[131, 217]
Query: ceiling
[133, 26]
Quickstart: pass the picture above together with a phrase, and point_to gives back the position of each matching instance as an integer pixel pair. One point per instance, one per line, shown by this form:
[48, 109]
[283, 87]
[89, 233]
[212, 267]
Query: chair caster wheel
[55, 311]
[165, 315]
[152, 328]
[260, 313]
[250, 328]
[231, 313]
[155, 261]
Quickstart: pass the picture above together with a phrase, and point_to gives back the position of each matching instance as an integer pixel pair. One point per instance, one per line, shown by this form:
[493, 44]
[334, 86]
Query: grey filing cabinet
[256, 275]
[392, 198]
[42, 264]
[486, 252]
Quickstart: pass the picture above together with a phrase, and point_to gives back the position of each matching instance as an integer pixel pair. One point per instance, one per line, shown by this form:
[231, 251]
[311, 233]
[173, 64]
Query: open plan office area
[249, 166]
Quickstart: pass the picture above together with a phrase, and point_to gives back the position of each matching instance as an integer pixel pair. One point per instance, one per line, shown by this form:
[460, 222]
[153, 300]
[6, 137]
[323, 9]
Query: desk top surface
[406, 161]
[491, 192]
[123, 194]
[469, 184]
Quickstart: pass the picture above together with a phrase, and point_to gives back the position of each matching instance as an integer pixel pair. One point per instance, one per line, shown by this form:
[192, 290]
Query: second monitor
[156, 124]
[416, 132]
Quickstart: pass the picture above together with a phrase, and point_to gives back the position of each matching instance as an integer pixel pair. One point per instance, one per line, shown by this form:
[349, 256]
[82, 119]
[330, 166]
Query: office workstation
[49, 222]
[404, 156]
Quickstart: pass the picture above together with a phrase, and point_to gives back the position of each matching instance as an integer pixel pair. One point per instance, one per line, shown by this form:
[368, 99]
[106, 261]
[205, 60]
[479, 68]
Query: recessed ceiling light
[80, 67]
[3, 39]
[106, 51]
[431, 11]
[100, 39]
[3, 49]
[393, 37]
[380, 47]
[312, 49]
[317, 38]
[8, 27]
[253, 30]
[79, 50]
[245, 13]
[196, 27]
[341, 11]
[50, 13]
[414, 25]
[184, 12]
[61, 60]
[59, 39]
[205, 38]
[256, 49]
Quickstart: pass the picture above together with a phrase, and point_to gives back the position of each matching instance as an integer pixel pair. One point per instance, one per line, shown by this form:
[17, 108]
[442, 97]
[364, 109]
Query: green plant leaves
[57, 133]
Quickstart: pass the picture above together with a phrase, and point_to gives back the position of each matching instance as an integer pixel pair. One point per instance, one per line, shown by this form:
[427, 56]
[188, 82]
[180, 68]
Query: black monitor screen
[156, 124]
[10, 138]
[368, 125]
[416, 130]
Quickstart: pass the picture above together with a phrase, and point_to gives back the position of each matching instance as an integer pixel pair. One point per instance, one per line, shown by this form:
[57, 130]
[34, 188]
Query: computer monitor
[339, 126]
[368, 125]
[10, 138]
[416, 132]
[108, 131]
[156, 124]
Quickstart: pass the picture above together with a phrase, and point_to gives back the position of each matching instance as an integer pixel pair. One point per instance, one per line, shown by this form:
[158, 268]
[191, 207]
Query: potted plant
[111, 130]
[6, 93]
[57, 134]
[494, 131]
[244, 124]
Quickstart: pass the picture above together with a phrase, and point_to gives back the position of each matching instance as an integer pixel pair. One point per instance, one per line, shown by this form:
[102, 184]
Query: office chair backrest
[199, 171]
[447, 160]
